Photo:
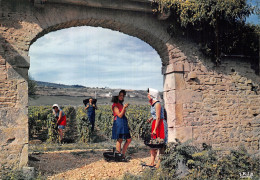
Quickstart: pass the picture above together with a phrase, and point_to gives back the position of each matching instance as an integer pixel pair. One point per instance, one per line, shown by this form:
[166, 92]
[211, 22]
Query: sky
[95, 57]
[98, 57]
[253, 19]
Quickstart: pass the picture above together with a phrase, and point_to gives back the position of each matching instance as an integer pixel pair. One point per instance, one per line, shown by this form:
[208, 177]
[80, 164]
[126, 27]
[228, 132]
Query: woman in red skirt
[157, 119]
[61, 119]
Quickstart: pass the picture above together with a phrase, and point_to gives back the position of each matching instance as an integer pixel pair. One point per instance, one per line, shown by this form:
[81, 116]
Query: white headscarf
[155, 94]
[55, 105]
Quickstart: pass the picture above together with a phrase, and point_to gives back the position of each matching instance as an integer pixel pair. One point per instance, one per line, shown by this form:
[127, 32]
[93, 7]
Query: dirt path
[85, 164]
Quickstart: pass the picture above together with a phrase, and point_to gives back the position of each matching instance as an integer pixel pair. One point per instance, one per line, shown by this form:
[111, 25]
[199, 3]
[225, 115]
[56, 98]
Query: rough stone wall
[13, 116]
[217, 105]
[226, 110]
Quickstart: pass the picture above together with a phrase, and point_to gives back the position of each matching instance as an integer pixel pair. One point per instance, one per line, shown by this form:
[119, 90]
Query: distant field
[77, 101]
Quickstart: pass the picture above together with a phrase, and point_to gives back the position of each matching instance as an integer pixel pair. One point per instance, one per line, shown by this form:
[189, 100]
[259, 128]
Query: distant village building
[109, 94]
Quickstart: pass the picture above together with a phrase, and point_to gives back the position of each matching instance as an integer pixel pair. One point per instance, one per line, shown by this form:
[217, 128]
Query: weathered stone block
[179, 114]
[186, 67]
[20, 61]
[174, 67]
[171, 115]
[178, 67]
[188, 96]
[180, 83]
[169, 82]
[17, 73]
[2, 61]
[23, 156]
[192, 75]
[183, 133]
[3, 76]
[169, 97]
[177, 60]
[171, 134]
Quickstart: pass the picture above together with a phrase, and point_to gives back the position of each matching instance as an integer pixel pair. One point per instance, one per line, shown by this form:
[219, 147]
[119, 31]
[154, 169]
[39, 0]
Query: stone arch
[24, 24]
[146, 36]
[204, 102]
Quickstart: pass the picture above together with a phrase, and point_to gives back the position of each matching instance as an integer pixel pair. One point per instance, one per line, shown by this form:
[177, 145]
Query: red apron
[159, 130]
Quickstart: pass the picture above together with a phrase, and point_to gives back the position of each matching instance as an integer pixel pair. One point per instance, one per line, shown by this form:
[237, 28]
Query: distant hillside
[47, 84]
[50, 93]
[53, 89]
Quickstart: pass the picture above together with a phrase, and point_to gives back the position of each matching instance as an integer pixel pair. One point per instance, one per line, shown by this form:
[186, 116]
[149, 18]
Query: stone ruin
[218, 105]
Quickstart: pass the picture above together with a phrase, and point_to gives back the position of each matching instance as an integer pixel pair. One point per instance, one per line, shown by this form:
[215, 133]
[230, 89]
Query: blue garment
[61, 127]
[153, 111]
[91, 113]
[120, 128]
[57, 114]
[165, 131]
[91, 116]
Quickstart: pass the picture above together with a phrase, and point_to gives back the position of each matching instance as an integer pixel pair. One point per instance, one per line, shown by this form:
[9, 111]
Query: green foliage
[71, 134]
[218, 26]
[200, 164]
[104, 120]
[208, 164]
[42, 122]
[31, 86]
[137, 117]
[196, 12]
[83, 125]
[6, 173]
[53, 135]
[38, 121]
[175, 154]
[9, 174]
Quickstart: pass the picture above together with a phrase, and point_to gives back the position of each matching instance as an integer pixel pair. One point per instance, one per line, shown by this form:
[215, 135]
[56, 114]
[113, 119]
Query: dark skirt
[120, 129]
[91, 118]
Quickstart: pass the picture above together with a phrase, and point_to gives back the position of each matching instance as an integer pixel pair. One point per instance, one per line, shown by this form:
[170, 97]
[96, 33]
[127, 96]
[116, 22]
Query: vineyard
[42, 123]
[181, 160]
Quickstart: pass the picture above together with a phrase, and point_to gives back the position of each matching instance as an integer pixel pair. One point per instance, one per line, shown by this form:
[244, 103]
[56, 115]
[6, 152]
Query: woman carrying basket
[158, 130]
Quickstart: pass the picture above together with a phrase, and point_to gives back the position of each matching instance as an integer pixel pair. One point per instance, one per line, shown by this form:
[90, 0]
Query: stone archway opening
[145, 56]
[136, 67]
[24, 23]
[97, 52]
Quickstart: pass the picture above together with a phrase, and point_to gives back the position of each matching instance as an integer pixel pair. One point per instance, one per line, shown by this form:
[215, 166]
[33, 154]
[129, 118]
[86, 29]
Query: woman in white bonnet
[61, 119]
[157, 119]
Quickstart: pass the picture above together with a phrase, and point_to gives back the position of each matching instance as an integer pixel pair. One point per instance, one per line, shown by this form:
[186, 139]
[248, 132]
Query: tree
[217, 25]
[31, 86]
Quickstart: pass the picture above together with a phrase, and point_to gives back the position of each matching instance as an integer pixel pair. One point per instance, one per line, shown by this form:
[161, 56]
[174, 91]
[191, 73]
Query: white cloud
[95, 57]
